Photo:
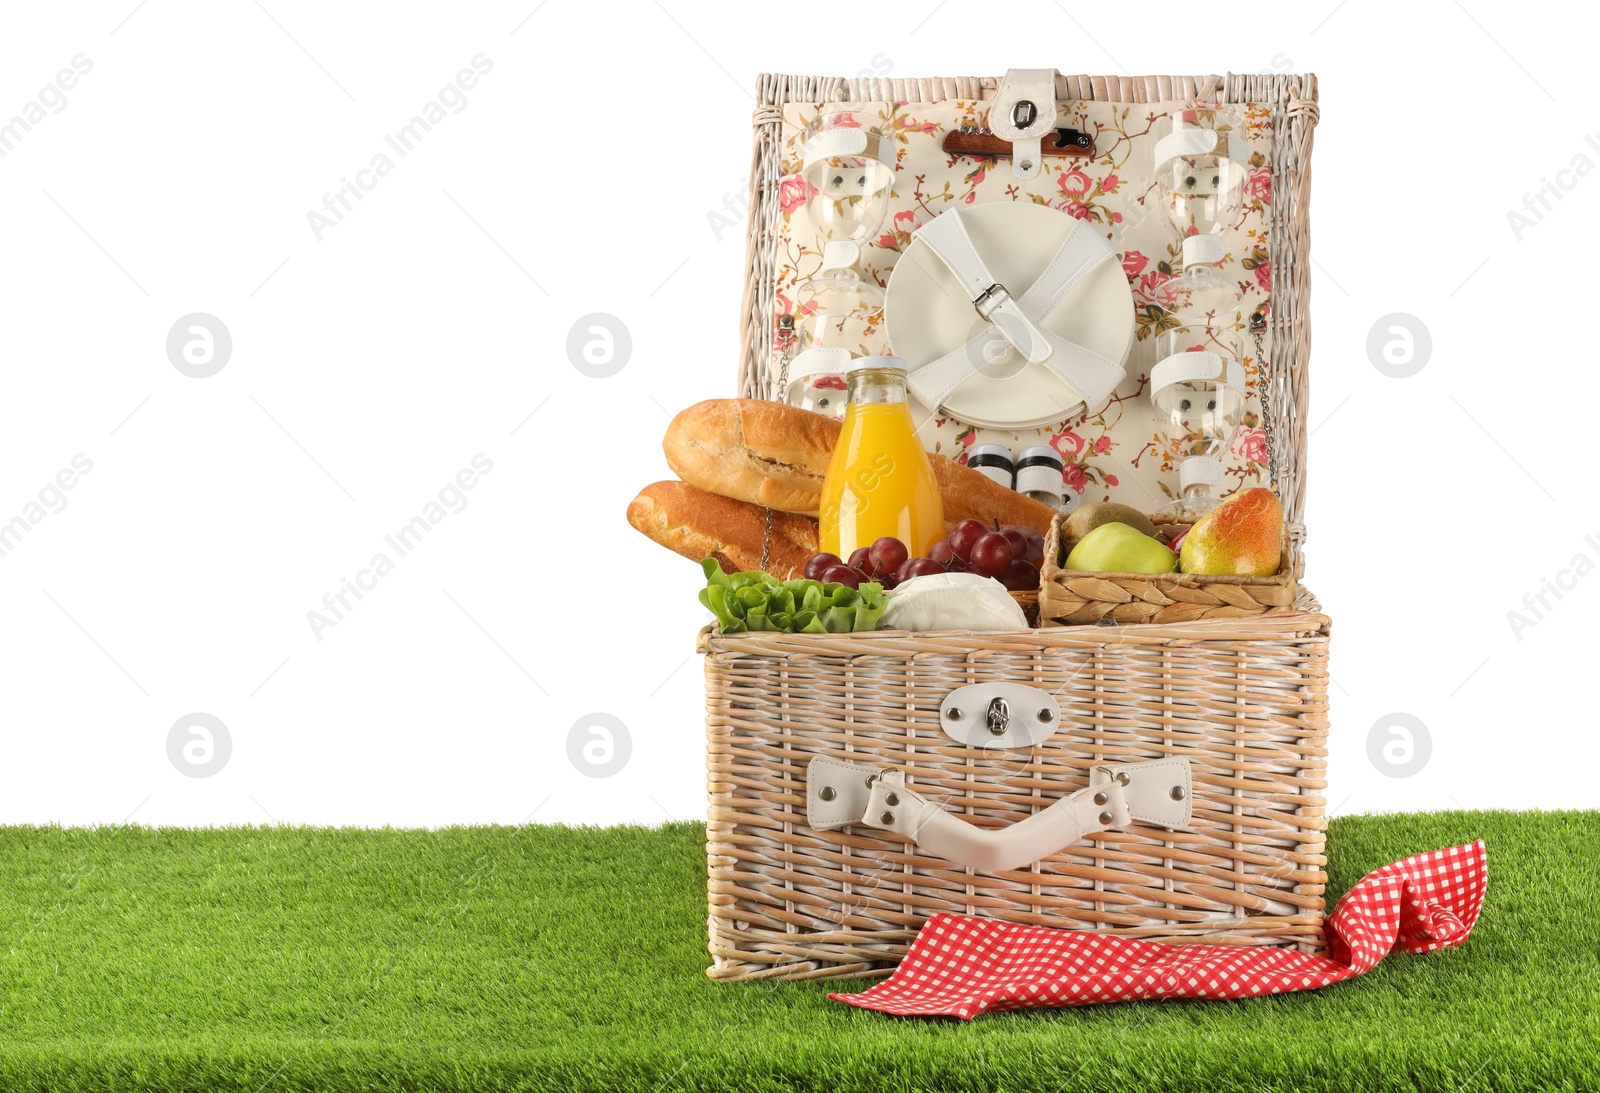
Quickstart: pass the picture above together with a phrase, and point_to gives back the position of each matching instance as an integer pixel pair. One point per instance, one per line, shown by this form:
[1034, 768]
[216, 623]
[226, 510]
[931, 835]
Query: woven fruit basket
[1075, 598]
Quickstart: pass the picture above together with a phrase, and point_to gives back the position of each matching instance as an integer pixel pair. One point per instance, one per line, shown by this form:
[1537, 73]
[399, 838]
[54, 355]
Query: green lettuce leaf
[757, 601]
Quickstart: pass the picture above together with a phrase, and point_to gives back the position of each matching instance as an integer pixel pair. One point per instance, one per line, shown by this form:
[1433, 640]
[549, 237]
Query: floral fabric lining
[1109, 452]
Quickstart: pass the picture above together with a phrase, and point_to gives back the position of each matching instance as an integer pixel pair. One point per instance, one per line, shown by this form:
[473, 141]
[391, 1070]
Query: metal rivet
[953, 714]
[827, 793]
[871, 778]
[1105, 817]
[892, 799]
[1026, 165]
[1123, 778]
[887, 818]
[1177, 793]
[1100, 798]
[1047, 715]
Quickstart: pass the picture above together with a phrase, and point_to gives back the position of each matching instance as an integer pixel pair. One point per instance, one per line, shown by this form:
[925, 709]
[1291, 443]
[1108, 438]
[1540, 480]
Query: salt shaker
[993, 461]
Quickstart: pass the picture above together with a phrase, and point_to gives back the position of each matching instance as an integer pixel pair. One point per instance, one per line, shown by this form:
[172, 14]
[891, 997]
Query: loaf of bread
[770, 454]
[700, 525]
[762, 452]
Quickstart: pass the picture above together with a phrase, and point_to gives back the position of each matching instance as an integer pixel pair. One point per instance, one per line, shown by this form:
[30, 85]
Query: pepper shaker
[994, 462]
[1039, 477]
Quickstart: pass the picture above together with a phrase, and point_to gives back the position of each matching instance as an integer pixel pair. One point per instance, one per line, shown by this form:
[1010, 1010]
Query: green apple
[1118, 548]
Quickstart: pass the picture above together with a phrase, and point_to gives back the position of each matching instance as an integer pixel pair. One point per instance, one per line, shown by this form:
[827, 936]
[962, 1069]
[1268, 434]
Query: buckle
[989, 299]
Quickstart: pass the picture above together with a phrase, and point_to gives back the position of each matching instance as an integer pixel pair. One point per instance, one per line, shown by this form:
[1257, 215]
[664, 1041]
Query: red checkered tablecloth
[961, 966]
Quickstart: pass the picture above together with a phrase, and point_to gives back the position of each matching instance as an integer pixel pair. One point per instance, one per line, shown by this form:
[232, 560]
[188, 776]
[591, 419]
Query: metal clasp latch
[990, 298]
[1023, 113]
[998, 716]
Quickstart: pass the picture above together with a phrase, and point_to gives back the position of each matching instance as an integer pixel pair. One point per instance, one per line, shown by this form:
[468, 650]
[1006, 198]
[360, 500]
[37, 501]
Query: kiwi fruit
[1083, 520]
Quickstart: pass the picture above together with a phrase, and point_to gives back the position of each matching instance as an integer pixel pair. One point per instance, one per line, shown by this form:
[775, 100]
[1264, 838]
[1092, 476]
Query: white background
[372, 365]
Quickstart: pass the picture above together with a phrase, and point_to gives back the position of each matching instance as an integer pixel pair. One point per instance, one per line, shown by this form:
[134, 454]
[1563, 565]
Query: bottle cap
[862, 363]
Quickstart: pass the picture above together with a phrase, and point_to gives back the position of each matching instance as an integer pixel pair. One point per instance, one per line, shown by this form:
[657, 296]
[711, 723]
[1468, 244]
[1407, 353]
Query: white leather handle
[1188, 140]
[1023, 111]
[810, 365]
[1197, 366]
[1091, 375]
[1156, 792]
[948, 238]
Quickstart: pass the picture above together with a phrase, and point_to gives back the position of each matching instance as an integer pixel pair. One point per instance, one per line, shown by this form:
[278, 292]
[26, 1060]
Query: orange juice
[879, 480]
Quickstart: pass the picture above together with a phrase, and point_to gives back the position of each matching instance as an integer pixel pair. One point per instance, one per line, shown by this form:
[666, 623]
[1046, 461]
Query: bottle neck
[877, 386]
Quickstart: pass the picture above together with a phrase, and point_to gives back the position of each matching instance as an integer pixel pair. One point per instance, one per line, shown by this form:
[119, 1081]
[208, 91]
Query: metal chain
[1258, 327]
[786, 331]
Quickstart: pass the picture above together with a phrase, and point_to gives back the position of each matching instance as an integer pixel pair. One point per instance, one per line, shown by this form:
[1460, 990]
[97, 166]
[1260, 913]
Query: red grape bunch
[1012, 554]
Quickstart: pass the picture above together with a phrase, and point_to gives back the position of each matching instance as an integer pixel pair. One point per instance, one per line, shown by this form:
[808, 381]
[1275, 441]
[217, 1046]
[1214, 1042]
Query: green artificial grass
[277, 959]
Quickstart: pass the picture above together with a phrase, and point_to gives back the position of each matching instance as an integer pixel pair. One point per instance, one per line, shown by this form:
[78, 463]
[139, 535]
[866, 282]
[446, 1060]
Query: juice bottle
[879, 480]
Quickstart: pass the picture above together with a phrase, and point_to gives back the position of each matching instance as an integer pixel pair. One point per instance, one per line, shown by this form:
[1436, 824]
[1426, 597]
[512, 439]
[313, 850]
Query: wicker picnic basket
[1155, 779]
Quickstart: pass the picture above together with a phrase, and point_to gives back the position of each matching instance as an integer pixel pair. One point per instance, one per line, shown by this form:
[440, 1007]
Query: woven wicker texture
[1245, 700]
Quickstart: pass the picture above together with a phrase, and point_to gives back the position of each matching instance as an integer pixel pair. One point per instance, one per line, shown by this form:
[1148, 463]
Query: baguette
[700, 525]
[770, 454]
[763, 452]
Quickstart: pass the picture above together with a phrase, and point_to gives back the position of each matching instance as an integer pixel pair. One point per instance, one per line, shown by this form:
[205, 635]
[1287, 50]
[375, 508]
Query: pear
[1118, 548]
[1084, 519]
[1242, 537]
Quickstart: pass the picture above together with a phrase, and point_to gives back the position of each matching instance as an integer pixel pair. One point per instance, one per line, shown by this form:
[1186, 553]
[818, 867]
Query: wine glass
[847, 168]
[1200, 170]
[1197, 384]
